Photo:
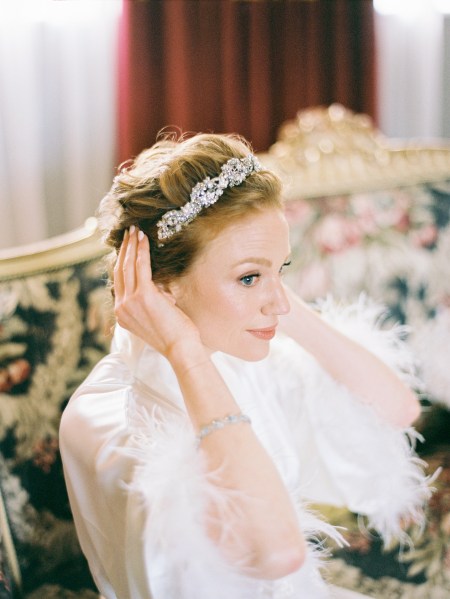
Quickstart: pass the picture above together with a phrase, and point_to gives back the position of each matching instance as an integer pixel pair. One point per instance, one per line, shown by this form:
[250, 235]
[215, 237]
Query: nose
[278, 302]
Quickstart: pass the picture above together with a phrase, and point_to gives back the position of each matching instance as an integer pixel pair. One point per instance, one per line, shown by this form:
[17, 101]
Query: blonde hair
[161, 178]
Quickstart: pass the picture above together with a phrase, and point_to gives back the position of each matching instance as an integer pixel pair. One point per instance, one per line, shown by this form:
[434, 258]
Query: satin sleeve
[141, 492]
[139, 489]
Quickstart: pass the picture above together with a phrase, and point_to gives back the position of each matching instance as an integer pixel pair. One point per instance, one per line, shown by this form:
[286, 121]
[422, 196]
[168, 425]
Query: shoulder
[109, 379]
[112, 404]
[96, 412]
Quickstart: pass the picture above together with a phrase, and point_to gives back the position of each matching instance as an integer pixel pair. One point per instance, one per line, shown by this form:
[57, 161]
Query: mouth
[266, 334]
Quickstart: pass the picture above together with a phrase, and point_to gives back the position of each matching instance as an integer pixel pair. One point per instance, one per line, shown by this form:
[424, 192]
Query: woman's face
[233, 292]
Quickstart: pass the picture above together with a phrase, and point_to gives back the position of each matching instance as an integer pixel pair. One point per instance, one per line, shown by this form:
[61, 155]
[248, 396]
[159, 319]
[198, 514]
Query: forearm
[265, 534]
[363, 373]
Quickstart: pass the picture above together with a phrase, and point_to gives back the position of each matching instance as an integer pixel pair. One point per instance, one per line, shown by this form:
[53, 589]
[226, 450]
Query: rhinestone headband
[206, 193]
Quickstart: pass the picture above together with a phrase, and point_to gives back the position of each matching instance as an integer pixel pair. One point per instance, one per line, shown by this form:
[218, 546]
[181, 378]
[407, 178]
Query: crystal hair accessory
[206, 193]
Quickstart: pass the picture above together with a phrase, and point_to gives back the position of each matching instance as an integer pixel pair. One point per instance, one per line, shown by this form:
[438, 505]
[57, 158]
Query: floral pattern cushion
[54, 327]
[393, 245]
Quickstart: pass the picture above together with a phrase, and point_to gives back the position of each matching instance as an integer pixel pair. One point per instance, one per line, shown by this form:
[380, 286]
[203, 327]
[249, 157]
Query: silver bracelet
[219, 423]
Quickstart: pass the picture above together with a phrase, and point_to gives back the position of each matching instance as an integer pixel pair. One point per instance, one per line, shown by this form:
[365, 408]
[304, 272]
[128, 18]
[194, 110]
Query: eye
[249, 280]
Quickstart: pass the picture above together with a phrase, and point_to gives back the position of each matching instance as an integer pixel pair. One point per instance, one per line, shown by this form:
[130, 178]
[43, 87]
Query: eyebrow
[262, 261]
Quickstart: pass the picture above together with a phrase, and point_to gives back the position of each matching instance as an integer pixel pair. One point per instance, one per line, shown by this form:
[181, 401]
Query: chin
[253, 350]
[250, 354]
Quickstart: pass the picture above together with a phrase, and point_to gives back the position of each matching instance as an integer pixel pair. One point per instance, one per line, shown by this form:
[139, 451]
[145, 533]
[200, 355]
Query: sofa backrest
[55, 324]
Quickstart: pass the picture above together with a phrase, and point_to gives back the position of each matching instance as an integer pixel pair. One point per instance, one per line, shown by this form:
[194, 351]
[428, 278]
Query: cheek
[224, 308]
[234, 305]
[199, 304]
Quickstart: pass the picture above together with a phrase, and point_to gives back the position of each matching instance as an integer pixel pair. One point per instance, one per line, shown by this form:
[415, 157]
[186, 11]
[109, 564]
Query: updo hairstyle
[161, 178]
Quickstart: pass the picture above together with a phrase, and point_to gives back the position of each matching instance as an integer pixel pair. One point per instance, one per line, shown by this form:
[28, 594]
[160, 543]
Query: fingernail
[132, 229]
[125, 234]
[141, 235]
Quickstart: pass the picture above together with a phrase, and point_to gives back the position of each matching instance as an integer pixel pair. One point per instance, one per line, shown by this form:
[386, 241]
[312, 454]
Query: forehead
[263, 234]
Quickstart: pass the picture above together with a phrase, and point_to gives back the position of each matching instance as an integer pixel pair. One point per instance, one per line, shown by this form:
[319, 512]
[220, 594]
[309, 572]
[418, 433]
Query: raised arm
[266, 538]
[364, 374]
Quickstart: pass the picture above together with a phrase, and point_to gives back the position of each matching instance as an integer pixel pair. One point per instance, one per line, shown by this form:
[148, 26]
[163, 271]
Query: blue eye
[249, 280]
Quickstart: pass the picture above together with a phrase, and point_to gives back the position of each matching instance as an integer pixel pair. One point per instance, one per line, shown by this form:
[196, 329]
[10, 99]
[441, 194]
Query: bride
[226, 403]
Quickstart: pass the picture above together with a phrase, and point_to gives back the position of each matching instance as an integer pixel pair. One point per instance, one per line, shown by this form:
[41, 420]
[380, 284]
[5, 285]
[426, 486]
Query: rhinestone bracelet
[219, 423]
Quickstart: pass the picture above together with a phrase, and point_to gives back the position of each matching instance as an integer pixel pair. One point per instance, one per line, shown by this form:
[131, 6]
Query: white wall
[57, 114]
[446, 80]
[413, 50]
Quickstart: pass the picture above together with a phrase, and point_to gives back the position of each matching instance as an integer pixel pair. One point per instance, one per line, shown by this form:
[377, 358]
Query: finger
[143, 261]
[118, 267]
[129, 263]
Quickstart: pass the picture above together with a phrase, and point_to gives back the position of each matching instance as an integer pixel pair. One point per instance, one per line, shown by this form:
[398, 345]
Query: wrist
[302, 322]
[187, 354]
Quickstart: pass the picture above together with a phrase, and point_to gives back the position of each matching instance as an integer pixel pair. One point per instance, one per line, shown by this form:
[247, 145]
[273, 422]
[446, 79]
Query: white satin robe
[138, 484]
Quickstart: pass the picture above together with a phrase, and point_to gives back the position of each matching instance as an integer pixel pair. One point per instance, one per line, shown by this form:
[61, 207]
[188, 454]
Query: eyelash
[257, 275]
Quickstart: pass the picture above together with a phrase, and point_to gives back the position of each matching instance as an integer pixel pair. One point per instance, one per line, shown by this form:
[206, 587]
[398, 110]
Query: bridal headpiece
[206, 193]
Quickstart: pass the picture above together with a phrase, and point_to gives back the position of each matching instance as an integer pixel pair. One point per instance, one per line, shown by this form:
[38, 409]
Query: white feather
[348, 457]
[175, 490]
[432, 344]
[367, 465]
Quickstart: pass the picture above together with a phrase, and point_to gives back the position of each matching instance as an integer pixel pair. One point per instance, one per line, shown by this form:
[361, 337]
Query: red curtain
[239, 66]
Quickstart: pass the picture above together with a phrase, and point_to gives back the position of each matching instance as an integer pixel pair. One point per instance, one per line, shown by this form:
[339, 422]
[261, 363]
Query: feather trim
[172, 486]
[356, 459]
[363, 322]
[171, 482]
[434, 365]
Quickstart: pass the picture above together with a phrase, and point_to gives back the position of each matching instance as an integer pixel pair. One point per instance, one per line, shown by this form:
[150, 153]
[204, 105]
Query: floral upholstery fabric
[54, 327]
[6, 581]
[393, 245]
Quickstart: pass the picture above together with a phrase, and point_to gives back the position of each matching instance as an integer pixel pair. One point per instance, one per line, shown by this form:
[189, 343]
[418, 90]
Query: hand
[295, 320]
[142, 307]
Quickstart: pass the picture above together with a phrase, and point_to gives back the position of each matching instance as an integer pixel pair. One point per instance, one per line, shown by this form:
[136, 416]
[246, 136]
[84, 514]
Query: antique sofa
[371, 215]
[366, 216]
[55, 324]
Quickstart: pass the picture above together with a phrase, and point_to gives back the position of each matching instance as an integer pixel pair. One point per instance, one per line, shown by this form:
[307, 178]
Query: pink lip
[266, 334]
